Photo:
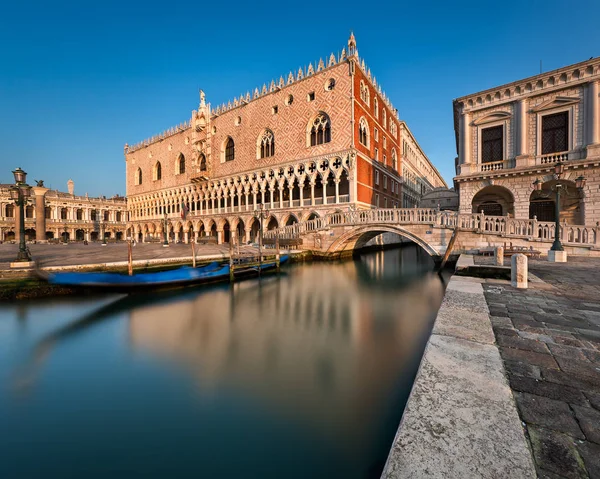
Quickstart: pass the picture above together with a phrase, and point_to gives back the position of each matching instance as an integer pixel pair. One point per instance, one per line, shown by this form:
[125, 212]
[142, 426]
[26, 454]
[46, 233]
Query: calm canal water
[304, 375]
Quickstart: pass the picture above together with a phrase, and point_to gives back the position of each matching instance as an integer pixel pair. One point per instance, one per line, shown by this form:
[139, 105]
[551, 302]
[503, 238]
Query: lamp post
[103, 231]
[165, 231]
[261, 214]
[559, 169]
[66, 231]
[19, 193]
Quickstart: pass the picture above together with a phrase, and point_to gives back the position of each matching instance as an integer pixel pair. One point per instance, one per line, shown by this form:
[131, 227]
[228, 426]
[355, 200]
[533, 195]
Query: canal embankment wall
[461, 419]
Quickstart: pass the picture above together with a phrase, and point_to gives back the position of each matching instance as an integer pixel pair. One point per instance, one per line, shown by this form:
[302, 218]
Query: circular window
[330, 84]
[214, 130]
[238, 121]
[289, 100]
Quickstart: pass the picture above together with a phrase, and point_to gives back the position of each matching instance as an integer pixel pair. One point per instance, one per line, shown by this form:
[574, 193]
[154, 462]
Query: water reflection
[322, 357]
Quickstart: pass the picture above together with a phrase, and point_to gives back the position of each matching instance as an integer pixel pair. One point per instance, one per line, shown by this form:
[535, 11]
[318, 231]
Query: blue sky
[79, 80]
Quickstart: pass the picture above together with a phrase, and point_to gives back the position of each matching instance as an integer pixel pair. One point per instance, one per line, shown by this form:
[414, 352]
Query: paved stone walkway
[93, 253]
[549, 340]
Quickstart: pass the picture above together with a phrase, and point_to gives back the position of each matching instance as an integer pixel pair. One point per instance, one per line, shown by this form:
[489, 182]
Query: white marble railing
[476, 222]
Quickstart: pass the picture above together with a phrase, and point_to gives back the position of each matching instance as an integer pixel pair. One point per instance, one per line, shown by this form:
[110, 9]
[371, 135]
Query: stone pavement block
[581, 369]
[548, 413]
[522, 343]
[500, 321]
[593, 355]
[505, 331]
[464, 286]
[556, 452]
[589, 421]
[521, 369]
[529, 357]
[461, 419]
[559, 392]
[499, 312]
[566, 339]
[568, 352]
[458, 300]
[465, 324]
[591, 457]
[593, 398]
[541, 336]
[560, 377]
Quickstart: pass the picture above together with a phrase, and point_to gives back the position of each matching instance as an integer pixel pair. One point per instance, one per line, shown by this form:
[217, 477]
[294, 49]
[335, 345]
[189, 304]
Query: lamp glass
[537, 184]
[20, 175]
[559, 168]
[580, 182]
[26, 190]
[14, 192]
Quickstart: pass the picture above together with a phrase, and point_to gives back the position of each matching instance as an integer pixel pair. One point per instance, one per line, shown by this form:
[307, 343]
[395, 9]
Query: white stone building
[512, 135]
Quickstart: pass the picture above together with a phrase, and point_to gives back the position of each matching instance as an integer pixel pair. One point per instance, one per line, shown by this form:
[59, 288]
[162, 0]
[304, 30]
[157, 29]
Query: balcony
[563, 156]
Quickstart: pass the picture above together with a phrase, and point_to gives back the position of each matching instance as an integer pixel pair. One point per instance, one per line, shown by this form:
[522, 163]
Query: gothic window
[320, 131]
[267, 144]
[363, 132]
[376, 134]
[157, 171]
[394, 129]
[376, 107]
[229, 150]
[555, 133]
[181, 164]
[376, 154]
[330, 85]
[376, 177]
[384, 118]
[138, 176]
[364, 92]
[491, 144]
[394, 160]
[202, 162]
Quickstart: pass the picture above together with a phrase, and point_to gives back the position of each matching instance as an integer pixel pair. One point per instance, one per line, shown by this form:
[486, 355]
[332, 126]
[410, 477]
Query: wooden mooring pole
[193, 254]
[129, 258]
[277, 255]
[231, 275]
[449, 248]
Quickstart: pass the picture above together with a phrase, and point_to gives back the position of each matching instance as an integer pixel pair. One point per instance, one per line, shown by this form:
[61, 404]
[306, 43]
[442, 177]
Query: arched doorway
[254, 230]
[79, 235]
[29, 234]
[494, 201]
[119, 235]
[272, 223]
[344, 188]
[94, 236]
[49, 235]
[240, 230]
[213, 230]
[10, 236]
[542, 204]
[226, 232]
[65, 236]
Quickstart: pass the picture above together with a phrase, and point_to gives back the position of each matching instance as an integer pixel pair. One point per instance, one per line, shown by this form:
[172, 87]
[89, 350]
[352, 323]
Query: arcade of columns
[291, 192]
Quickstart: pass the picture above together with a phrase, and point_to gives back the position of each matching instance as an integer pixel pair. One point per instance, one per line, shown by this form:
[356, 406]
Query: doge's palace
[318, 140]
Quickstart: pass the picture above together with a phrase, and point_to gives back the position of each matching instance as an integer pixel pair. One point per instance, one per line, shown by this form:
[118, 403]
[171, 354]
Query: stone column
[324, 183]
[292, 196]
[312, 192]
[499, 256]
[186, 237]
[272, 190]
[17, 211]
[40, 212]
[280, 188]
[593, 114]
[337, 190]
[465, 139]
[302, 195]
[521, 128]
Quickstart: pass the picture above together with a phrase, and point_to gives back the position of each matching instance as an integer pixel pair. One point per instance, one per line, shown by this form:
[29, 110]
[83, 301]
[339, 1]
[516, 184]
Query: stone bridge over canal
[340, 233]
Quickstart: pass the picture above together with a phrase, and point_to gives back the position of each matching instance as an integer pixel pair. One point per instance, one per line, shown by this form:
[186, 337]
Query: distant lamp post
[19, 193]
[559, 169]
[66, 230]
[261, 213]
[103, 231]
[165, 231]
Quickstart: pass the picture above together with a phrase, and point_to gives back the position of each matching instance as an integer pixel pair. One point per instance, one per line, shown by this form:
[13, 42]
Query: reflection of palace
[509, 136]
[313, 142]
[310, 352]
[56, 214]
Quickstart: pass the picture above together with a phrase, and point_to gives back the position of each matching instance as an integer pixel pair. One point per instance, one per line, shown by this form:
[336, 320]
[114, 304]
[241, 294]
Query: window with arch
[181, 164]
[394, 129]
[157, 171]
[202, 162]
[267, 144]
[376, 107]
[363, 132]
[384, 118]
[10, 211]
[364, 92]
[138, 176]
[229, 149]
[394, 160]
[320, 130]
[29, 211]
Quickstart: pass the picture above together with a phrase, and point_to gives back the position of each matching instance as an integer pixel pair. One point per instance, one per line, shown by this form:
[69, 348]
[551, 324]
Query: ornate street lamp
[559, 169]
[66, 233]
[261, 214]
[165, 229]
[19, 193]
[103, 231]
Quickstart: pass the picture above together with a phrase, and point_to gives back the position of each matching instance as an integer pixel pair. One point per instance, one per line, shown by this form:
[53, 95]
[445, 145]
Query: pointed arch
[319, 130]
[157, 172]
[138, 176]
[394, 160]
[363, 132]
[180, 165]
[202, 162]
[364, 93]
[228, 150]
[265, 144]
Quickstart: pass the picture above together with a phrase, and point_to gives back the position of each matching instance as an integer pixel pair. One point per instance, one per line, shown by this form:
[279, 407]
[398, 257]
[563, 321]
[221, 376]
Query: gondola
[175, 278]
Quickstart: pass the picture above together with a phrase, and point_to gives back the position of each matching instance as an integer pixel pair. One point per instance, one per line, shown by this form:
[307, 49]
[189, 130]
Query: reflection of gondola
[179, 277]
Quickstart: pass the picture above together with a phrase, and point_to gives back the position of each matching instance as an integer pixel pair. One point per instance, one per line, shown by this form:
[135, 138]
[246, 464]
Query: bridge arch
[359, 236]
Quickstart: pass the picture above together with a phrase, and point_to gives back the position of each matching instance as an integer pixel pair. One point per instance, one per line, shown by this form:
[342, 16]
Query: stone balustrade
[503, 226]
